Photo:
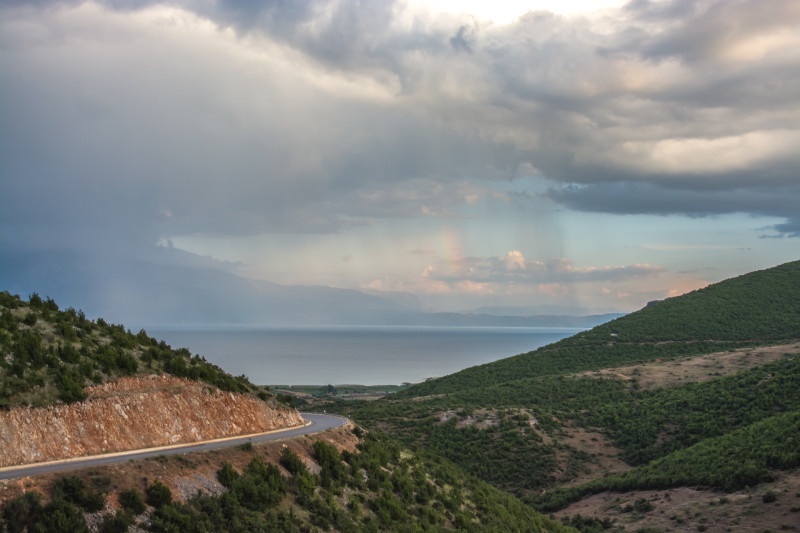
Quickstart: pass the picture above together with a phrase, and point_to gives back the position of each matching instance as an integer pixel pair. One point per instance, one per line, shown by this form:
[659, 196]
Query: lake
[354, 355]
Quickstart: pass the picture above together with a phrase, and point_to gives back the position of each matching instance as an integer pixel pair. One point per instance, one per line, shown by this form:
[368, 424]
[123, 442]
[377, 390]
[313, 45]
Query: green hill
[527, 423]
[538, 425]
[49, 355]
[752, 309]
[381, 487]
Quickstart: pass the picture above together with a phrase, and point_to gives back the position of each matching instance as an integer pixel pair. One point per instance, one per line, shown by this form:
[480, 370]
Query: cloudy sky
[600, 154]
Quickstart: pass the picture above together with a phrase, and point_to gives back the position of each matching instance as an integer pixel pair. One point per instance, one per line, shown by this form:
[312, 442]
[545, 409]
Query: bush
[117, 523]
[176, 517]
[327, 457]
[285, 399]
[642, 506]
[158, 495]
[132, 501]
[769, 496]
[227, 476]
[291, 462]
[35, 301]
[72, 489]
[60, 516]
[70, 386]
[21, 513]
[127, 364]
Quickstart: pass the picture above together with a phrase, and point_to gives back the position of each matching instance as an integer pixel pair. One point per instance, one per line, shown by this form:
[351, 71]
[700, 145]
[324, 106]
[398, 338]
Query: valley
[681, 416]
[692, 395]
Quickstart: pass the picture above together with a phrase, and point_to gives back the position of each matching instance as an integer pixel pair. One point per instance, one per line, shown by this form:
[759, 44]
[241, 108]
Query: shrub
[117, 523]
[35, 301]
[127, 364]
[72, 489]
[158, 495]
[21, 513]
[642, 506]
[69, 488]
[291, 462]
[70, 386]
[60, 516]
[132, 501]
[285, 399]
[227, 476]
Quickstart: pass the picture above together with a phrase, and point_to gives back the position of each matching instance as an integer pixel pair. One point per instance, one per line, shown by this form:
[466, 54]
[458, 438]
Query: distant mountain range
[172, 292]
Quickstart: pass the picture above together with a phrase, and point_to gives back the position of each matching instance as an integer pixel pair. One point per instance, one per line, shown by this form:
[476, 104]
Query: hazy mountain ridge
[176, 289]
[542, 310]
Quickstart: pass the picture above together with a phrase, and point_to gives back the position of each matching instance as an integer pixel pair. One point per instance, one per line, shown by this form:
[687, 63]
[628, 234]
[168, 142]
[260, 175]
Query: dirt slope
[133, 413]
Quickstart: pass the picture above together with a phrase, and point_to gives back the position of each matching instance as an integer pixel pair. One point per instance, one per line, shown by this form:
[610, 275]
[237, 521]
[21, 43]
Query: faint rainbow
[452, 250]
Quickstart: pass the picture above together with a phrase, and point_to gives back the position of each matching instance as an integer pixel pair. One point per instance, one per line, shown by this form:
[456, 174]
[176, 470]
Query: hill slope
[752, 309]
[50, 355]
[132, 413]
[72, 386]
[540, 421]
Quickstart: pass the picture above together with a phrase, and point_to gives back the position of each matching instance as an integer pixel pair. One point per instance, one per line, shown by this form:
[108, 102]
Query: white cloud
[513, 270]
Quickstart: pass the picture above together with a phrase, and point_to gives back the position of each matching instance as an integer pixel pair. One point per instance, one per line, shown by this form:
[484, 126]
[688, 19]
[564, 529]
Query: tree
[291, 462]
[21, 513]
[132, 501]
[60, 516]
[227, 476]
[158, 495]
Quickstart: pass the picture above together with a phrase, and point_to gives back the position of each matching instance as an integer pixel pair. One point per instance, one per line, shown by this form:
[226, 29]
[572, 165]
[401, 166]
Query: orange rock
[133, 413]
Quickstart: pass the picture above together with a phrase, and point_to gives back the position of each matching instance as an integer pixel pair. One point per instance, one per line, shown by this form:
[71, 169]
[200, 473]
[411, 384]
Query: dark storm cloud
[627, 198]
[702, 34]
[646, 198]
[119, 129]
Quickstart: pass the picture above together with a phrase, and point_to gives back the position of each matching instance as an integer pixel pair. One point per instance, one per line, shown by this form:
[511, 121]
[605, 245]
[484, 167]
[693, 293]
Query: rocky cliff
[132, 413]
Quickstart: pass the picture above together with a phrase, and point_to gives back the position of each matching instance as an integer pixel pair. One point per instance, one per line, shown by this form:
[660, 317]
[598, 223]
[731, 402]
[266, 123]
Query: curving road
[315, 423]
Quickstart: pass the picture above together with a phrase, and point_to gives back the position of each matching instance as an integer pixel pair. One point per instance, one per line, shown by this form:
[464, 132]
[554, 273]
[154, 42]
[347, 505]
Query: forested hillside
[379, 487]
[752, 309]
[533, 424]
[539, 425]
[49, 355]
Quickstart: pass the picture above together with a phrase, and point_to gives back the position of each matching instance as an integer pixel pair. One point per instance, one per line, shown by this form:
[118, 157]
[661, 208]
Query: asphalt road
[318, 423]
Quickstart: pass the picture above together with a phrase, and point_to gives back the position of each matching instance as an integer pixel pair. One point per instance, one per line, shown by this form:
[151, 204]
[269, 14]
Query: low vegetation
[48, 355]
[742, 458]
[728, 432]
[381, 487]
[459, 447]
[751, 310]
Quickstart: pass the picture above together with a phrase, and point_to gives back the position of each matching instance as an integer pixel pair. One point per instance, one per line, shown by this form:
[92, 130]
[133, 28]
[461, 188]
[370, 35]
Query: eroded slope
[132, 413]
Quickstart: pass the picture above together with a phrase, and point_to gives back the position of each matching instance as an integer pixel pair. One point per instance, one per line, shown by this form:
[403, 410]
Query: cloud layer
[125, 123]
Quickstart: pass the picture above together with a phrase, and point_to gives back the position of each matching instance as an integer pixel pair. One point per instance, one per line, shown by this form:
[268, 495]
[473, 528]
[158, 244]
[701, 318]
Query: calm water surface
[355, 355]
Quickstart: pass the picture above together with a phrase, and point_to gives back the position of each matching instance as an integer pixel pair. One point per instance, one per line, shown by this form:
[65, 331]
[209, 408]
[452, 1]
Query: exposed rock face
[133, 413]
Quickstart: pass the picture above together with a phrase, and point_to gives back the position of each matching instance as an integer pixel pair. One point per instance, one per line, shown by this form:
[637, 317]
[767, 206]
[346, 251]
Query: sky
[596, 154]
